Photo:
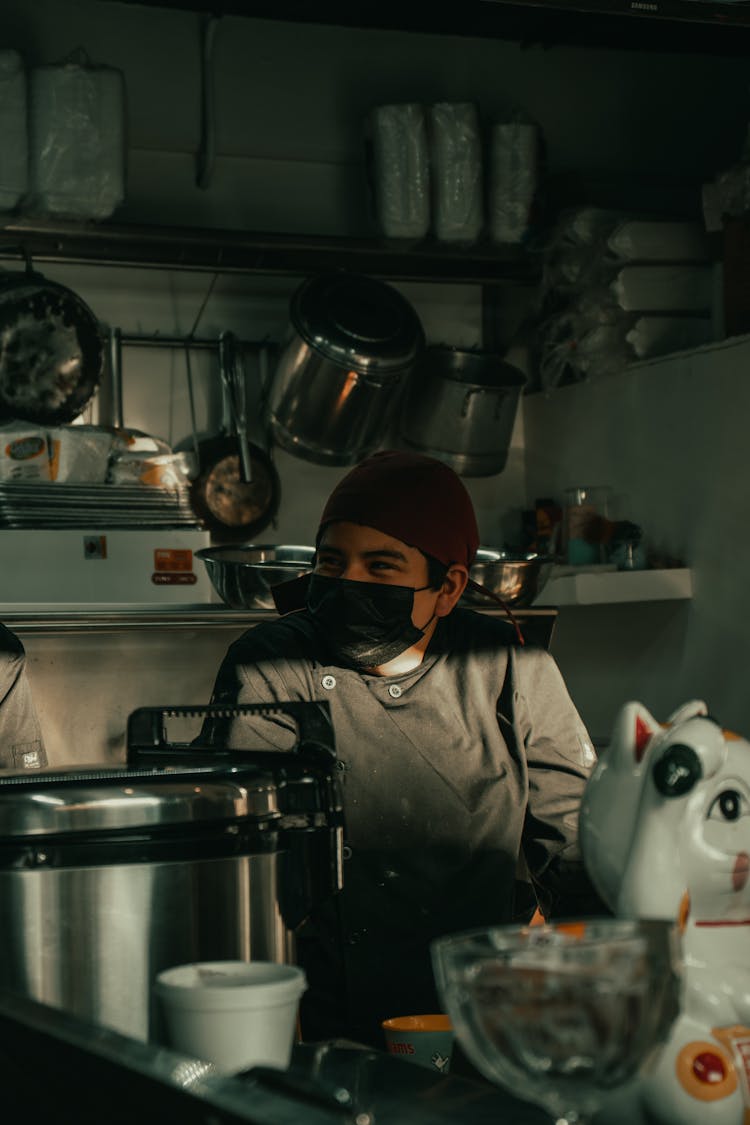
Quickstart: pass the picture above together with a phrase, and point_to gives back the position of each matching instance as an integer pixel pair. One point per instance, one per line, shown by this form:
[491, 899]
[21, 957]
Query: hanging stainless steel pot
[51, 350]
[460, 406]
[351, 342]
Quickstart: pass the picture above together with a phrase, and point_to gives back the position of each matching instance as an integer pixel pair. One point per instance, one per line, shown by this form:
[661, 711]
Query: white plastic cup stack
[514, 155]
[234, 1014]
[457, 177]
[400, 169]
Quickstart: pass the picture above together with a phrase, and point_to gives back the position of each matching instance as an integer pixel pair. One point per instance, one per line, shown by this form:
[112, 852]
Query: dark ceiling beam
[660, 25]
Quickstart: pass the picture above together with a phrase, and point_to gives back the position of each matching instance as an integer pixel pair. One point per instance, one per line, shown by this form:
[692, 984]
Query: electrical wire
[206, 156]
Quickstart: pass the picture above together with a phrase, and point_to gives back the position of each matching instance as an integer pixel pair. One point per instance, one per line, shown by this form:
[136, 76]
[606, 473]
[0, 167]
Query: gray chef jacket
[21, 745]
[450, 773]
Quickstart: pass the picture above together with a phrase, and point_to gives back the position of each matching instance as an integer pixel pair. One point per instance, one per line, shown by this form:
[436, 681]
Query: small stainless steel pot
[460, 406]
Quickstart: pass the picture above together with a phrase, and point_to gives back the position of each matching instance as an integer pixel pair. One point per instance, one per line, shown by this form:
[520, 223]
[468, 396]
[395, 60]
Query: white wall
[668, 436]
[290, 105]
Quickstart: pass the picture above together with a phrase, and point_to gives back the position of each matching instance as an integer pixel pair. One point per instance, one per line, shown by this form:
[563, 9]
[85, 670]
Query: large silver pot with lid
[109, 875]
[351, 341]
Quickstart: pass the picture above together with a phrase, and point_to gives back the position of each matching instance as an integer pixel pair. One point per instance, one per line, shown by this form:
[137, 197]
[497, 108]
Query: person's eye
[328, 563]
[382, 566]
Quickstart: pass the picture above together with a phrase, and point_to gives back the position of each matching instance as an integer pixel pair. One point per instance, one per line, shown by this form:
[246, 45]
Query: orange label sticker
[164, 579]
[173, 559]
[26, 448]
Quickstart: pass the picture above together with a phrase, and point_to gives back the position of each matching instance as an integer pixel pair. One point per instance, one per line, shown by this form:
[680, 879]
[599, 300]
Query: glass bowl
[560, 1014]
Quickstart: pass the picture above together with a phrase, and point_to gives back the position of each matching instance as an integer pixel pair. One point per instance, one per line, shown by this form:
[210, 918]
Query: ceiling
[707, 26]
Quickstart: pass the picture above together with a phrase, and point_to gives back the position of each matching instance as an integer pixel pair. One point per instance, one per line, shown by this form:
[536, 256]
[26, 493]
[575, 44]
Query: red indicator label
[173, 559]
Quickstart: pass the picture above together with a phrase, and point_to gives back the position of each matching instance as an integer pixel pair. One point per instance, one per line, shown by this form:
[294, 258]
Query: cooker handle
[147, 729]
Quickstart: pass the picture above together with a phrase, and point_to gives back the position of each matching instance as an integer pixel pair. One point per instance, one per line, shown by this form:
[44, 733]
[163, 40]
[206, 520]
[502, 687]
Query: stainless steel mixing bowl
[516, 578]
[244, 575]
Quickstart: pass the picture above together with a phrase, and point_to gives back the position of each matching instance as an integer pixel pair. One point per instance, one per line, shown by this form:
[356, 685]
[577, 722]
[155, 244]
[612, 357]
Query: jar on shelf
[585, 522]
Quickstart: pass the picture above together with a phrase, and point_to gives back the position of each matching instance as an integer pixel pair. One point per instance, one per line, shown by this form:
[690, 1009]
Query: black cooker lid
[178, 788]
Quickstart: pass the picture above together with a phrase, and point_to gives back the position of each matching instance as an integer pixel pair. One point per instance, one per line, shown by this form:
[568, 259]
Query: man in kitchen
[459, 748]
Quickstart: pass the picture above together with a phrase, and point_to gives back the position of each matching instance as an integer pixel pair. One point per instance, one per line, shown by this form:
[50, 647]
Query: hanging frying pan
[51, 350]
[237, 490]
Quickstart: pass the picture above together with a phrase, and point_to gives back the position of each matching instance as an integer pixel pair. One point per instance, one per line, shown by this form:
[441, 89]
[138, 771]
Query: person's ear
[453, 587]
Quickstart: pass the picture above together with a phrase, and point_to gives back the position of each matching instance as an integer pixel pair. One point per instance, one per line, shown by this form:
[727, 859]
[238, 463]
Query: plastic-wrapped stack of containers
[456, 158]
[63, 129]
[618, 288]
[400, 169]
[429, 173]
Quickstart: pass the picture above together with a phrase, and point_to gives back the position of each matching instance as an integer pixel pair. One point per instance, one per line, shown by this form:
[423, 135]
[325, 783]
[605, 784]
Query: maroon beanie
[414, 498]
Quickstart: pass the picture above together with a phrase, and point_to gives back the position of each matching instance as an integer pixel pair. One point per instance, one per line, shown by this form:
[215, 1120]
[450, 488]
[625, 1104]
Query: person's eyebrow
[385, 552]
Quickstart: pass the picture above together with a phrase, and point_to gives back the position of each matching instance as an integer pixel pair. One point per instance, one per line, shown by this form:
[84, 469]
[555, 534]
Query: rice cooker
[108, 875]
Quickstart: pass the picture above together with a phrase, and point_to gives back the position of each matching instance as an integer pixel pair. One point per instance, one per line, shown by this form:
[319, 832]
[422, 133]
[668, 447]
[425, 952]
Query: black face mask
[366, 623]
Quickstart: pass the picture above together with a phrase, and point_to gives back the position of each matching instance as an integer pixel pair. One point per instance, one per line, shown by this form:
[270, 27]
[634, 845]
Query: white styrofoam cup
[235, 1014]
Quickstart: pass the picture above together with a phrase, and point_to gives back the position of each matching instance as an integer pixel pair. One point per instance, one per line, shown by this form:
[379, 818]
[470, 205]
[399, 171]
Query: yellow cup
[425, 1040]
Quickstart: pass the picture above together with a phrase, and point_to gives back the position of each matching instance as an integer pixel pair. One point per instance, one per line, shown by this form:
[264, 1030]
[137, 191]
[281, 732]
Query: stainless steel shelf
[249, 252]
[59, 618]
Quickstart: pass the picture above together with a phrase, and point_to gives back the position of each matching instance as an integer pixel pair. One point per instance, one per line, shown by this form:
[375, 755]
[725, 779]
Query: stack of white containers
[63, 151]
[456, 168]
[428, 173]
[618, 289]
[400, 169]
[514, 177]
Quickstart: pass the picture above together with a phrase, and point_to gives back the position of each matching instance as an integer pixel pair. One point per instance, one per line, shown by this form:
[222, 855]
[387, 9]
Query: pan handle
[115, 375]
[233, 377]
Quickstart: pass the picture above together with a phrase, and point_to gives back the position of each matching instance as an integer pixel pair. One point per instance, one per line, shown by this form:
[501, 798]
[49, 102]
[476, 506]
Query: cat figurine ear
[689, 710]
[633, 731]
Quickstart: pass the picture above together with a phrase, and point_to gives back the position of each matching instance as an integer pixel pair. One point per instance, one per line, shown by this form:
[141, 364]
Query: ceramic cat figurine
[665, 831]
